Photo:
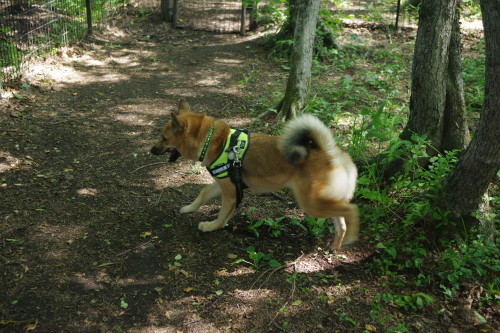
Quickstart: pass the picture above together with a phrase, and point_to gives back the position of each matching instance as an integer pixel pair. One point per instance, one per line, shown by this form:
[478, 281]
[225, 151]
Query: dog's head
[171, 138]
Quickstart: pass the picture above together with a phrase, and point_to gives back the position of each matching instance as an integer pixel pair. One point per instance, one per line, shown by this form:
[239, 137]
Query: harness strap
[235, 167]
[229, 162]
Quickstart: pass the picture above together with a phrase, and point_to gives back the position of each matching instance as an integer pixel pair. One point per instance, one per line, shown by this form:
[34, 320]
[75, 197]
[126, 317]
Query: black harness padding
[235, 168]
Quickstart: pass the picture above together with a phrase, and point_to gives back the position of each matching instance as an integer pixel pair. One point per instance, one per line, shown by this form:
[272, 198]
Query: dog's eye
[164, 138]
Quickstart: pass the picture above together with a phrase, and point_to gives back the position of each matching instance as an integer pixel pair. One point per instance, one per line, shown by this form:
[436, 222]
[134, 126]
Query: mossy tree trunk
[437, 107]
[301, 59]
[480, 162]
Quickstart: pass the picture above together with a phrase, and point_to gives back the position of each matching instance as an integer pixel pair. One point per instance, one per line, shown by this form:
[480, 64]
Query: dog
[305, 158]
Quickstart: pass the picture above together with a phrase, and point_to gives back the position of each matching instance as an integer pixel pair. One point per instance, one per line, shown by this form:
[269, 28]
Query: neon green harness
[232, 155]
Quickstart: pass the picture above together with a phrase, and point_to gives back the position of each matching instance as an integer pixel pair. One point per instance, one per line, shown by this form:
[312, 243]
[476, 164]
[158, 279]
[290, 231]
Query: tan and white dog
[304, 158]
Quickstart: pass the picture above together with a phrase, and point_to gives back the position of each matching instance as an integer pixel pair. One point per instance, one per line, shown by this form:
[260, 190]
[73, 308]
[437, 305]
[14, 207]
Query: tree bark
[455, 130]
[300, 59]
[480, 162]
[430, 71]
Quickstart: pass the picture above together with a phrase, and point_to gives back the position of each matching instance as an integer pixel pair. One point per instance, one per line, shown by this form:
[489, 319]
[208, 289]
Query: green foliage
[474, 261]
[273, 226]
[404, 237]
[271, 14]
[11, 56]
[257, 259]
[412, 302]
[314, 227]
[473, 75]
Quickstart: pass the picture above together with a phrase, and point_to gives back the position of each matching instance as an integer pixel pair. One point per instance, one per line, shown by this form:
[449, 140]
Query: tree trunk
[480, 162]
[300, 59]
[455, 130]
[430, 71]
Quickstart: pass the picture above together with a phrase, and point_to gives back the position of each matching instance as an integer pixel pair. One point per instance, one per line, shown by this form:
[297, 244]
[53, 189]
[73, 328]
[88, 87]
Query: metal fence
[29, 27]
[221, 16]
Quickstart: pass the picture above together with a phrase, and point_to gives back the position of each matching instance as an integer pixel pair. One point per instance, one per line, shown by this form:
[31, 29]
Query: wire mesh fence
[30, 27]
[222, 16]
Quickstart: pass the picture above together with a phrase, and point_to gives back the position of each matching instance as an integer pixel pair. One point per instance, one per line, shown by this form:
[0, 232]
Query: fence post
[89, 17]
[165, 10]
[398, 9]
[243, 22]
[253, 15]
[174, 14]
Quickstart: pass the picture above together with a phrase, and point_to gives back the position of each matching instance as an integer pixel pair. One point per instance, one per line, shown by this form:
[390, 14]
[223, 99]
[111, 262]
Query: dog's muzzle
[173, 153]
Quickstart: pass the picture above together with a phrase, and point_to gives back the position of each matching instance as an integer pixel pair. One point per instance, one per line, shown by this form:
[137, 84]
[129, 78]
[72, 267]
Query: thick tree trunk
[480, 162]
[430, 71]
[300, 59]
[455, 130]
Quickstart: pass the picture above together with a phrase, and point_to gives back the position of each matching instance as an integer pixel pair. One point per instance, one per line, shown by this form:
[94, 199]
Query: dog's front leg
[228, 206]
[208, 192]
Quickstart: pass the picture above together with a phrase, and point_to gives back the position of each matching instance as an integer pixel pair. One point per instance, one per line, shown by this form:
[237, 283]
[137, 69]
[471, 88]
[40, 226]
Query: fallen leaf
[370, 328]
[33, 326]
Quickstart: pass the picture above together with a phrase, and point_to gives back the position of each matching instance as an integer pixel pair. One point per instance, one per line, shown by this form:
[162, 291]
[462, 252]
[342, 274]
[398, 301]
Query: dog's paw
[187, 209]
[208, 226]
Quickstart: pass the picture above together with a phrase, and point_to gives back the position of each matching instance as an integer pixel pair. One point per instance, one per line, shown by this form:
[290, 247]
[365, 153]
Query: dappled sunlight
[87, 191]
[212, 79]
[61, 234]
[8, 162]
[132, 119]
[73, 68]
[238, 271]
[228, 61]
[55, 74]
[254, 295]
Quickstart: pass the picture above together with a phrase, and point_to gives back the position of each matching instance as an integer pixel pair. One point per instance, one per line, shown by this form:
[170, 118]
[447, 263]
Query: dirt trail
[90, 237]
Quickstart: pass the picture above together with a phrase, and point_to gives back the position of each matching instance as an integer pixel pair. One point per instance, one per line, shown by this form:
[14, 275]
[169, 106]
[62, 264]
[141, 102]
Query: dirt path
[90, 237]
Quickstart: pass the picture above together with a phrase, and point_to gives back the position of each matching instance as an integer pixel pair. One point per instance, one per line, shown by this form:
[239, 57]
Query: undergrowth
[367, 110]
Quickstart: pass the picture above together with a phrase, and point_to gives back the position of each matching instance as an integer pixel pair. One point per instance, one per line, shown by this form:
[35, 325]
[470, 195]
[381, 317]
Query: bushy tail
[303, 134]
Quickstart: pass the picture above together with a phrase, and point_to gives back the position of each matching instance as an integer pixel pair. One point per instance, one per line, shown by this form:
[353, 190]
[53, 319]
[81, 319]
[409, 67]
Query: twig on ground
[159, 198]
[148, 165]
[225, 107]
[135, 248]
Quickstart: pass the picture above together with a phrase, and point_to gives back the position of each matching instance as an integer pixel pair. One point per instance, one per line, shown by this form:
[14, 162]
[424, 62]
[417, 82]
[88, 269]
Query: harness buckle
[234, 153]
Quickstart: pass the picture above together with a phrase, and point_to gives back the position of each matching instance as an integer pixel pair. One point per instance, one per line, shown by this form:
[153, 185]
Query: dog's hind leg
[208, 192]
[340, 232]
[352, 234]
[346, 227]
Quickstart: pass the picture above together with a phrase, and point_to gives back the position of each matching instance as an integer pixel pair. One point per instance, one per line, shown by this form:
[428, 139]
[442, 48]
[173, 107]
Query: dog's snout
[155, 150]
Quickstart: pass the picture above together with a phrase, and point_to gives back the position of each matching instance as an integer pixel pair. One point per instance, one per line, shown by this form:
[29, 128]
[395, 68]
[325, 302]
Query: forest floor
[90, 235]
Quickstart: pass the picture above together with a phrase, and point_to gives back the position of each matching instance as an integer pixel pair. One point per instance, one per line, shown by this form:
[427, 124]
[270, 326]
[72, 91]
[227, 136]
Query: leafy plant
[314, 227]
[256, 259]
[273, 225]
[413, 302]
[475, 261]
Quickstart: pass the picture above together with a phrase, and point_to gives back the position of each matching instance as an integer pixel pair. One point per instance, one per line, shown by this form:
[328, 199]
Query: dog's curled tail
[303, 134]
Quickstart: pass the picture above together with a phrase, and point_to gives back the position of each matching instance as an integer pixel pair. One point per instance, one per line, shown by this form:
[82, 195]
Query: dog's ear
[177, 124]
[183, 107]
